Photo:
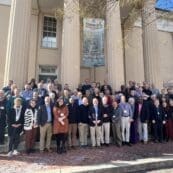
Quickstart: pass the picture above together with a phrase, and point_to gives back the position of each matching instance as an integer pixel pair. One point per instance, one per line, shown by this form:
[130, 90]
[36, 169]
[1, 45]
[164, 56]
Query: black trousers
[158, 131]
[61, 141]
[2, 133]
[14, 140]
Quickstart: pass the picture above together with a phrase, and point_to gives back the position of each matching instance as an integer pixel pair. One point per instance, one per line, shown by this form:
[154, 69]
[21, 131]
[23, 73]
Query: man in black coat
[73, 121]
[142, 114]
[83, 121]
[3, 103]
[15, 117]
[107, 113]
[158, 119]
[95, 122]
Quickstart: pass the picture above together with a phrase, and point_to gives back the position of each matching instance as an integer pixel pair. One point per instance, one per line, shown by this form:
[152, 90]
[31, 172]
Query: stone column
[115, 60]
[16, 67]
[32, 62]
[150, 44]
[70, 60]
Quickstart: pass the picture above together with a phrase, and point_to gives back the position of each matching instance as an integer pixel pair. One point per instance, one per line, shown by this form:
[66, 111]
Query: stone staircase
[4, 148]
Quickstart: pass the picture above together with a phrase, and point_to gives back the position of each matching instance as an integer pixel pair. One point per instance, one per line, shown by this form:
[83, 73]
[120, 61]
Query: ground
[46, 162]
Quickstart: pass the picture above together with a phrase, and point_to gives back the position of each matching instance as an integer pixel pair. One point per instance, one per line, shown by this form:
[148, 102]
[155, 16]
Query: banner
[93, 43]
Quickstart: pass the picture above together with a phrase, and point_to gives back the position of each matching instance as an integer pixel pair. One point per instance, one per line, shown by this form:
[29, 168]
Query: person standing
[15, 117]
[142, 115]
[30, 126]
[165, 129]
[60, 125]
[117, 113]
[45, 119]
[27, 93]
[73, 121]
[134, 138]
[126, 120]
[10, 102]
[83, 122]
[95, 122]
[158, 119]
[106, 110]
[3, 103]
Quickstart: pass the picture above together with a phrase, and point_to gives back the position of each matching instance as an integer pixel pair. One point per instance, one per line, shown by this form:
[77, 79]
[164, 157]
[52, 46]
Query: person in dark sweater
[95, 121]
[83, 121]
[86, 86]
[73, 121]
[165, 129]
[142, 114]
[117, 113]
[106, 110]
[15, 117]
[3, 103]
[158, 119]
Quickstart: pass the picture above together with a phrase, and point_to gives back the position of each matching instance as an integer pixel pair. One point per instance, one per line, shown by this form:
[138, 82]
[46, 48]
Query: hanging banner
[93, 43]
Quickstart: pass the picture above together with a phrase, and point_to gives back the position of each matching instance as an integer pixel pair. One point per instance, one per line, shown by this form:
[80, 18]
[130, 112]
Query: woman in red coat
[60, 125]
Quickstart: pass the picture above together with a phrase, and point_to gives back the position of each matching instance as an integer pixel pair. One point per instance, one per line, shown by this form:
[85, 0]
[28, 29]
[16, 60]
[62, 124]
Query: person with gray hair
[15, 126]
[45, 120]
[126, 120]
[134, 124]
[117, 113]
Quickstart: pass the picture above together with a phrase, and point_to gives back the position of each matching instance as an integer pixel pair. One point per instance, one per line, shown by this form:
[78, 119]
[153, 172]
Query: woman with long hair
[60, 125]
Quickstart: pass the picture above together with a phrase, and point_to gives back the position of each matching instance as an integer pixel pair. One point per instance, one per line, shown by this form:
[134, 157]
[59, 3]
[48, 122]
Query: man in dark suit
[45, 119]
[15, 126]
[95, 122]
[142, 114]
[158, 119]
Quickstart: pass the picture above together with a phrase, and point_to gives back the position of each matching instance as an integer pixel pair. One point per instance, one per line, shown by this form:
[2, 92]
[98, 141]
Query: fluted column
[32, 62]
[70, 60]
[115, 60]
[16, 67]
[150, 43]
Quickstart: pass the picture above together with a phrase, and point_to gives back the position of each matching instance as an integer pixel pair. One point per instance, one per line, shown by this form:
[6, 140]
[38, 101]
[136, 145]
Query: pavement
[137, 158]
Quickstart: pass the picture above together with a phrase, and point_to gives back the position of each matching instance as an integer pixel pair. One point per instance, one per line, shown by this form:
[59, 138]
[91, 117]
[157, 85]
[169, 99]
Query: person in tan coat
[60, 125]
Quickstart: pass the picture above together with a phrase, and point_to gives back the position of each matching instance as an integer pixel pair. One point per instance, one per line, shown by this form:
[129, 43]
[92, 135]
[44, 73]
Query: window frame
[42, 32]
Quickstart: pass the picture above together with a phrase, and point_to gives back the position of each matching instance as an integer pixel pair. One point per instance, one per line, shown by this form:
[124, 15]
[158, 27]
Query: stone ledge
[120, 166]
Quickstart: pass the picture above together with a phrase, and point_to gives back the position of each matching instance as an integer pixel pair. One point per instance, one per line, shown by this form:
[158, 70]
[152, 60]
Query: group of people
[92, 113]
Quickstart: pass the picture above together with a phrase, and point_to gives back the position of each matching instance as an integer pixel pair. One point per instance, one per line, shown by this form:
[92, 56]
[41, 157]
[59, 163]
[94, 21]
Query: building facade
[36, 44]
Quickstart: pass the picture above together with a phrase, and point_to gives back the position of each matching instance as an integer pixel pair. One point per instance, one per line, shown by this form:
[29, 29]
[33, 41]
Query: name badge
[158, 113]
[2, 108]
[114, 116]
[125, 111]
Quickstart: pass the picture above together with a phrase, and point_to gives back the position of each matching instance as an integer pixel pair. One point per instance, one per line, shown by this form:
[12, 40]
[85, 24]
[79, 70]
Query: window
[47, 72]
[49, 39]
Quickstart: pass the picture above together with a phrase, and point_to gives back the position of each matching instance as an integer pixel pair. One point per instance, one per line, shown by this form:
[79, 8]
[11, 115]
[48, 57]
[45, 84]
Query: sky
[166, 5]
